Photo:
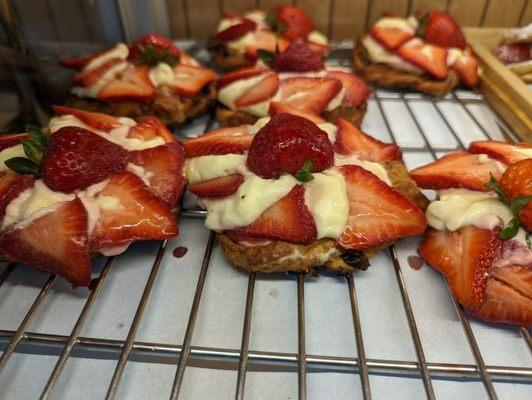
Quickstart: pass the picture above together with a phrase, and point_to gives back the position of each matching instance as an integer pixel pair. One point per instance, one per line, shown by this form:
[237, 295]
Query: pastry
[515, 51]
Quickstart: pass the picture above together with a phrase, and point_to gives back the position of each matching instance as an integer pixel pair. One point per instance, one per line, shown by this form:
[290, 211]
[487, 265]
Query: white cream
[404, 24]
[524, 151]
[203, 168]
[373, 167]
[256, 16]
[119, 51]
[331, 131]
[485, 159]
[379, 54]
[336, 101]
[107, 77]
[317, 37]
[453, 54]
[161, 74]
[140, 172]
[10, 152]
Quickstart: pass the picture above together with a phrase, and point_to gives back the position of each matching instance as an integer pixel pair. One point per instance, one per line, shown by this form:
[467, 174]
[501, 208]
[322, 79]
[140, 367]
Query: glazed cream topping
[379, 54]
[161, 74]
[203, 168]
[526, 152]
[119, 51]
[317, 37]
[405, 24]
[10, 152]
[373, 167]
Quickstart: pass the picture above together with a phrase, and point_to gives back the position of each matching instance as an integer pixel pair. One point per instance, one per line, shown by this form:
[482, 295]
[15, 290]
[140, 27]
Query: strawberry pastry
[238, 38]
[428, 54]
[150, 77]
[294, 192]
[294, 79]
[479, 228]
[87, 183]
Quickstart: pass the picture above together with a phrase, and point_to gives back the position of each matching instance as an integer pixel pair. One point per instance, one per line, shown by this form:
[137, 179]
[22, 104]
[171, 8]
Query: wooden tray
[504, 91]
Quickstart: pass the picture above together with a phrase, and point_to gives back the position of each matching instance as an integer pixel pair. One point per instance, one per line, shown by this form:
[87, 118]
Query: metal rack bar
[526, 337]
[6, 272]
[301, 355]
[72, 340]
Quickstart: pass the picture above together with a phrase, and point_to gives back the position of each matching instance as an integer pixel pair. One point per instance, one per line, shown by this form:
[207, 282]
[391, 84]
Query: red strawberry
[80, 62]
[507, 153]
[441, 29]
[217, 187]
[455, 170]
[298, 57]
[97, 120]
[92, 76]
[132, 84]
[220, 141]
[159, 42]
[513, 53]
[149, 129]
[517, 181]
[390, 38]
[243, 73]
[56, 242]
[12, 139]
[464, 257]
[467, 68]
[377, 213]
[190, 80]
[285, 143]
[277, 108]
[321, 49]
[266, 40]
[356, 90]
[164, 165]
[351, 140]
[298, 24]
[139, 215]
[430, 58]
[310, 95]
[11, 185]
[260, 92]
[235, 31]
[289, 219]
[77, 158]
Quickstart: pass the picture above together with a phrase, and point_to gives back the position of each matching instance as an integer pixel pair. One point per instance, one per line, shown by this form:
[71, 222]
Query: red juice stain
[180, 251]
[415, 262]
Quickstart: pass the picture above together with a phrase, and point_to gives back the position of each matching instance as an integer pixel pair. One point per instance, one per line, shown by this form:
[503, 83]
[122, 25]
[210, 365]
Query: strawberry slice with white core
[134, 213]
[390, 37]
[189, 80]
[93, 76]
[277, 108]
[466, 65]
[321, 49]
[429, 57]
[243, 73]
[11, 185]
[149, 129]
[457, 170]
[237, 30]
[266, 40]
[377, 213]
[132, 84]
[356, 90]
[96, 120]
[289, 219]
[163, 166]
[81, 62]
[222, 141]
[310, 95]
[351, 140]
[217, 187]
[507, 153]
[263, 90]
[56, 242]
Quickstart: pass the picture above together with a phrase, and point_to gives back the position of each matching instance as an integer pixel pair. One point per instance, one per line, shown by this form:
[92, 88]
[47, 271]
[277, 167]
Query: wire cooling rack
[157, 326]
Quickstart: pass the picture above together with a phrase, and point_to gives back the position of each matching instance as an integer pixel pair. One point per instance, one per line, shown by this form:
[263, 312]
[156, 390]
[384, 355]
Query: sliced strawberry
[97, 120]
[467, 68]
[298, 57]
[92, 76]
[77, 158]
[266, 40]
[12, 139]
[218, 142]
[56, 242]
[190, 80]
[243, 73]
[81, 62]
[277, 108]
[351, 140]
[260, 92]
[430, 58]
[513, 53]
[140, 215]
[289, 219]
[298, 24]
[377, 213]
[464, 257]
[356, 90]
[507, 153]
[441, 29]
[456, 170]
[155, 40]
[517, 181]
[11, 185]
[217, 187]
[149, 129]
[310, 95]
[235, 31]
[164, 166]
[321, 49]
[132, 84]
[390, 38]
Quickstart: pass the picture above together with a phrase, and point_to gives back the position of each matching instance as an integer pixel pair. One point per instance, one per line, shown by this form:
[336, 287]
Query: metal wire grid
[241, 359]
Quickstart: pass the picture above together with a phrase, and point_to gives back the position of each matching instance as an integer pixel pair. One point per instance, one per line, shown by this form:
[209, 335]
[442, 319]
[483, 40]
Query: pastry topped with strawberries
[294, 79]
[87, 183]
[150, 77]
[427, 53]
[294, 192]
[479, 228]
[239, 38]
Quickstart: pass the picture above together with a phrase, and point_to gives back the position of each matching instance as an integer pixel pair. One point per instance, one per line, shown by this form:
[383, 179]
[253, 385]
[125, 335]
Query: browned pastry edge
[168, 106]
[355, 115]
[269, 257]
[225, 58]
[386, 77]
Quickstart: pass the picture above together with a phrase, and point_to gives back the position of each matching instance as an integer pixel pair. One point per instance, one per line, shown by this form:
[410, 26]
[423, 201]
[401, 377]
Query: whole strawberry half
[298, 57]
[287, 142]
[298, 24]
[77, 158]
[158, 42]
[441, 29]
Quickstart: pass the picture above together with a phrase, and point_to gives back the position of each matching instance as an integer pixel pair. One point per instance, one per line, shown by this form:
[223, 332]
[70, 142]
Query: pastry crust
[224, 58]
[386, 77]
[168, 106]
[277, 256]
